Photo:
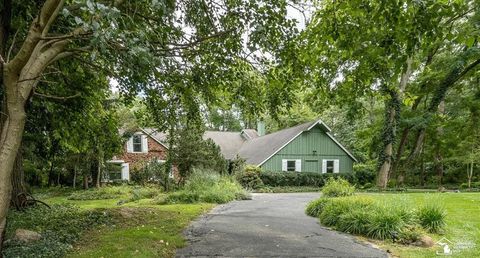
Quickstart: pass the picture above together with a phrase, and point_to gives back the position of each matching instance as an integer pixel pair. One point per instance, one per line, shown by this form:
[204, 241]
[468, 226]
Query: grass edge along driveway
[140, 229]
[463, 223]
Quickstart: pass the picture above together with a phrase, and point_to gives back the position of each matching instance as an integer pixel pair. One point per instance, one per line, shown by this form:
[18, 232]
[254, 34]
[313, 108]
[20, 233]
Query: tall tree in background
[357, 49]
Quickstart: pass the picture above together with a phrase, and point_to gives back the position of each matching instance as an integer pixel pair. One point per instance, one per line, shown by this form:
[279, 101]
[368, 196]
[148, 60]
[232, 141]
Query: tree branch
[63, 98]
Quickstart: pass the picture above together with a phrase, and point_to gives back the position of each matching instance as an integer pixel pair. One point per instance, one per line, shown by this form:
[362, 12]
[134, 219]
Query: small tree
[191, 150]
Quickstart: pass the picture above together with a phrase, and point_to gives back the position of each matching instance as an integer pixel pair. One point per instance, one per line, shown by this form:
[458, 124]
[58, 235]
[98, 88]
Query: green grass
[462, 219]
[142, 229]
[143, 232]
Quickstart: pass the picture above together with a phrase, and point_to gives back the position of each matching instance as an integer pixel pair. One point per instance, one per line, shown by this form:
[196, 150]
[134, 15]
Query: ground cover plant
[208, 187]
[130, 225]
[60, 226]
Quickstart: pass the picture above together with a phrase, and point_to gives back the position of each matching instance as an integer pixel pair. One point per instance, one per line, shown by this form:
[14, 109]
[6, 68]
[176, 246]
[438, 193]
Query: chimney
[261, 128]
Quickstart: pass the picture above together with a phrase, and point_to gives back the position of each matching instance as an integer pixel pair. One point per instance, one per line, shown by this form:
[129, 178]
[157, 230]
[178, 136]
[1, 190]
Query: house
[308, 147]
[144, 145]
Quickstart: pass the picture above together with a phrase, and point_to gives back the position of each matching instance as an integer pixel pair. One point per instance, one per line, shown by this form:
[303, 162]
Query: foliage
[152, 171]
[191, 150]
[337, 188]
[111, 192]
[395, 220]
[250, 178]
[385, 223]
[314, 208]
[274, 179]
[143, 231]
[207, 186]
[60, 226]
[364, 174]
[432, 218]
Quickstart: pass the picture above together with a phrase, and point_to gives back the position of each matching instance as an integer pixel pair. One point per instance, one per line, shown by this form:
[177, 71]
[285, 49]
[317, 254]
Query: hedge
[301, 178]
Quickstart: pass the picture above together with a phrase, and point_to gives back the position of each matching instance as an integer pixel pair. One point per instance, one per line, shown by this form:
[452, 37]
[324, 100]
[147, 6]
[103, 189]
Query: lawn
[141, 229]
[463, 222]
[137, 228]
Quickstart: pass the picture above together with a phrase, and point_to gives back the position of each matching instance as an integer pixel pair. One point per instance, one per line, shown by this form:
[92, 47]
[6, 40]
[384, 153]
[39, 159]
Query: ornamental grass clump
[385, 223]
[336, 207]
[397, 221]
[432, 218]
[314, 208]
[337, 188]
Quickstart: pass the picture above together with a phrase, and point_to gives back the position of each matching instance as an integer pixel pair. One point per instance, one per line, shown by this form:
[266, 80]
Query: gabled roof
[249, 145]
[159, 137]
[261, 149]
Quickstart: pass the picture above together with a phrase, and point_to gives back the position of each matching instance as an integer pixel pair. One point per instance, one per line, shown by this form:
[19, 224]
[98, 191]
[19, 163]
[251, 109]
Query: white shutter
[336, 166]
[284, 165]
[144, 143]
[324, 166]
[125, 171]
[130, 145]
[298, 165]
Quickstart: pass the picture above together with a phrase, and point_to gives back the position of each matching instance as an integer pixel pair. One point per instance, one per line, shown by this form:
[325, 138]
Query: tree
[144, 44]
[378, 48]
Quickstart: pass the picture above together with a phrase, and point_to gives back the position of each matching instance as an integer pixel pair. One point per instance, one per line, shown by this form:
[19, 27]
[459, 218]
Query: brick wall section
[155, 150]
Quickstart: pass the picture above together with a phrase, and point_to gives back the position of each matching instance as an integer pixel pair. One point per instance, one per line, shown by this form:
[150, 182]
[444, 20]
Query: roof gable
[261, 149]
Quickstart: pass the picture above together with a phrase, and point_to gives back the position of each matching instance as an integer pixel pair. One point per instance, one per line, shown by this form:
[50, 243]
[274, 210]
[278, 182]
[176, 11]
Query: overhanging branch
[62, 98]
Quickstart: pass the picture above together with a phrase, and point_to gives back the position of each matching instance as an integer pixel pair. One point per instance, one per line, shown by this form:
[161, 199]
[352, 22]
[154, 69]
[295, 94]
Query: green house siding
[311, 147]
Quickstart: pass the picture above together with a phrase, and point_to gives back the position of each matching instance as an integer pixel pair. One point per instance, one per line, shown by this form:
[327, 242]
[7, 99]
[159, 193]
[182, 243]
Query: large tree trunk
[18, 180]
[20, 75]
[10, 140]
[382, 177]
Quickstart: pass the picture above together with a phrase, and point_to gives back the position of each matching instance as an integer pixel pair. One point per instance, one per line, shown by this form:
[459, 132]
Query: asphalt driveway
[270, 225]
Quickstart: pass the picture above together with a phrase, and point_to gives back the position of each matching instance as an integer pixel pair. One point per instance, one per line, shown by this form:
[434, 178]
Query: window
[330, 166]
[137, 143]
[291, 165]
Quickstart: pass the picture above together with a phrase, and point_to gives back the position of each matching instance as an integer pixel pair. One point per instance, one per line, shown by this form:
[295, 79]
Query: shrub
[275, 179]
[337, 188]
[250, 178]
[205, 186]
[355, 221]
[368, 186]
[384, 223]
[139, 193]
[364, 174]
[432, 218]
[59, 226]
[410, 235]
[111, 192]
[182, 197]
[315, 207]
[333, 209]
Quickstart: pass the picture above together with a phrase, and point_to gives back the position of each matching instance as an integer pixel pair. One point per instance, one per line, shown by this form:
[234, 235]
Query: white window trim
[336, 165]
[298, 165]
[144, 142]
